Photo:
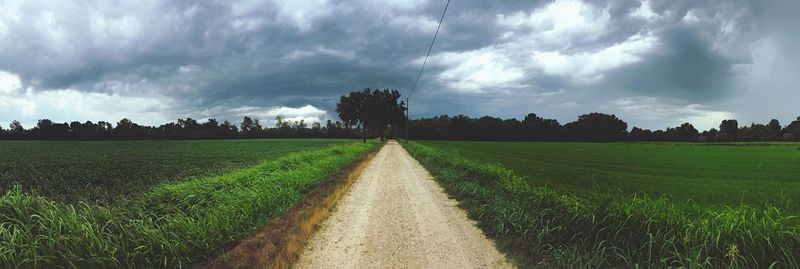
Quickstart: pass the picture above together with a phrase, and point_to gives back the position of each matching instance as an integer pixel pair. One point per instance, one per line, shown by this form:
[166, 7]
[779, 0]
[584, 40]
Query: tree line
[380, 113]
[187, 128]
[593, 127]
[366, 113]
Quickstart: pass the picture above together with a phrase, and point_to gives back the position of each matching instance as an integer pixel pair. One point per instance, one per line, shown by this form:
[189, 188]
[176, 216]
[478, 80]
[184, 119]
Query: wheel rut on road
[397, 216]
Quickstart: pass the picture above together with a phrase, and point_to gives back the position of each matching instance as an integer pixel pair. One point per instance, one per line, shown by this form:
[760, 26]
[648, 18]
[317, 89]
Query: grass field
[100, 171]
[680, 205]
[171, 224]
[734, 174]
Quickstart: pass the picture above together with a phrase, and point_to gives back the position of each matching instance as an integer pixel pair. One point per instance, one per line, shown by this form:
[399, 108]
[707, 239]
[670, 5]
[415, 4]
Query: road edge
[277, 244]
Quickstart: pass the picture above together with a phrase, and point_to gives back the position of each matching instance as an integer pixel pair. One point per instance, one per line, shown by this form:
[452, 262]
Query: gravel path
[396, 216]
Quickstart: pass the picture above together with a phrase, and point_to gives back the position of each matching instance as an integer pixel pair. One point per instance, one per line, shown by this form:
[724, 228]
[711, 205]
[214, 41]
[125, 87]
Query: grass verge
[277, 244]
[540, 227]
[172, 225]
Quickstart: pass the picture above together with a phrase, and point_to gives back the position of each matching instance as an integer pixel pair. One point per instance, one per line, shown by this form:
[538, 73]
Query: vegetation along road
[396, 216]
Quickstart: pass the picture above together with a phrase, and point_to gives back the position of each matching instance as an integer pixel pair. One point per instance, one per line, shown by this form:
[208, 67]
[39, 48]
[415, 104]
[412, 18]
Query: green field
[627, 205]
[732, 174]
[100, 171]
[176, 219]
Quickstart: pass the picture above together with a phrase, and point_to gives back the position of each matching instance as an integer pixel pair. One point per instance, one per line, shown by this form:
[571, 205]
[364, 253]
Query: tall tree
[775, 129]
[728, 130]
[598, 127]
[250, 127]
[540, 128]
[792, 131]
[686, 132]
[15, 126]
[371, 110]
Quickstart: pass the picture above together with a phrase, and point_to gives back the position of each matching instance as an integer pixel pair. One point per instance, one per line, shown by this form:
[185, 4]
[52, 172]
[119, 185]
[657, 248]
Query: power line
[408, 103]
[429, 50]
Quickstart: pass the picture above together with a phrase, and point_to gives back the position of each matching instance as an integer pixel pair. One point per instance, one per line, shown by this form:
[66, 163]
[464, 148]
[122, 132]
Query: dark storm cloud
[209, 55]
[684, 66]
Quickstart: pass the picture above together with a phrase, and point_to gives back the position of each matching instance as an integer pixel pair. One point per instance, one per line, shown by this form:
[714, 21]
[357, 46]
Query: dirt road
[396, 216]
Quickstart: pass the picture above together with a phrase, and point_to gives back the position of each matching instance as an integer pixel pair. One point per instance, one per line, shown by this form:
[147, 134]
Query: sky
[653, 63]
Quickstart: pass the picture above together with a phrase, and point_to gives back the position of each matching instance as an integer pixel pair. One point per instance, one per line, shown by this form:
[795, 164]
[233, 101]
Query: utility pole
[408, 107]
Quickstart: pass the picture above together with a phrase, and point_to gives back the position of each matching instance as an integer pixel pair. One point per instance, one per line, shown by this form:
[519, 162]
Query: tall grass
[541, 227]
[172, 225]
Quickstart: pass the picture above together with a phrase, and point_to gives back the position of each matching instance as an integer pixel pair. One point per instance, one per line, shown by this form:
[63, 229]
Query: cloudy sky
[655, 63]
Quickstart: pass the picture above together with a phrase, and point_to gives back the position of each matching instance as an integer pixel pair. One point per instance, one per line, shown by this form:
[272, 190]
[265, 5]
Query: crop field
[628, 204]
[734, 174]
[223, 191]
[99, 171]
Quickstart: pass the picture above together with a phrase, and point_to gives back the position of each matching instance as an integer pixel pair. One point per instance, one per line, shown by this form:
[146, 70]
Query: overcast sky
[655, 63]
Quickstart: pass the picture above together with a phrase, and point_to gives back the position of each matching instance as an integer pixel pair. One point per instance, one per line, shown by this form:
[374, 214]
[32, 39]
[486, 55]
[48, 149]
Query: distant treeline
[187, 128]
[596, 127]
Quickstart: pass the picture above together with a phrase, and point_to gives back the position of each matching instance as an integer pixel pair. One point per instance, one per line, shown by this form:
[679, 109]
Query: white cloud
[397, 4]
[644, 12]
[113, 30]
[414, 23]
[567, 105]
[308, 113]
[71, 105]
[691, 17]
[559, 23]
[659, 113]
[507, 66]
[303, 13]
[487, 69]
[9, 82]
[320, 50]
[541, 42]
[587, 67]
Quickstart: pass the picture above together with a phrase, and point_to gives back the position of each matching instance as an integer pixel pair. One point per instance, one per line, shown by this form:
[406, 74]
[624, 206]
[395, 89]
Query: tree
[728, 130]
[44, 127]
[15, 126]
[745, 134]
[775, 129]
[282, 123]
[793, 130]
[708, 136]
[126, 129]
[211, 129]
[371, 110]
[489, 128]
[251, 127]
[639, 134]
[300, 124]
[539, 128]
[686, 132]
[759, 132]
[299, 128]
[316, 129]
[229, 130]
[47, 129]
[597, 127]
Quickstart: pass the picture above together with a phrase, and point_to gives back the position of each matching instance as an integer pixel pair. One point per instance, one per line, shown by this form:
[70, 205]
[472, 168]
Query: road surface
[396, 216]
